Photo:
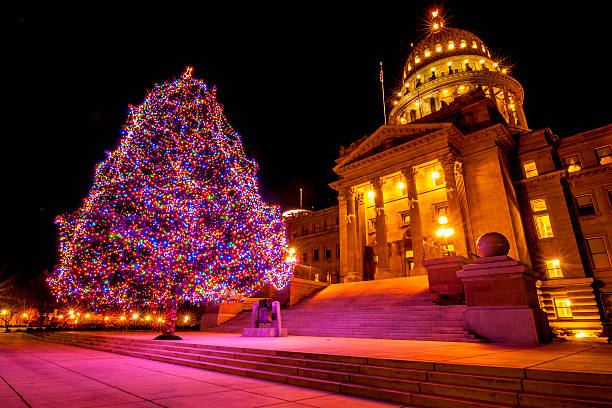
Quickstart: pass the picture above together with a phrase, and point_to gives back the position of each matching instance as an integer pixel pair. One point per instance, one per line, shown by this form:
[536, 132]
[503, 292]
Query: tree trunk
[170, 323]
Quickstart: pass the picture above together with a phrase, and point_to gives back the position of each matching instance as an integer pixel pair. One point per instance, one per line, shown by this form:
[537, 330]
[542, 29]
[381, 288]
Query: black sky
[296, 82]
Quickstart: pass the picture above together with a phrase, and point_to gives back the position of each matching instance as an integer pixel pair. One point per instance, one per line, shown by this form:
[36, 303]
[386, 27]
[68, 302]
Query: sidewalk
[40, 374]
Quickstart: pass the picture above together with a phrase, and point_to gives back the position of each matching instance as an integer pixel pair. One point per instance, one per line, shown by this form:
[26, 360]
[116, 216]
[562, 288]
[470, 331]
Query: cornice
[447, 131]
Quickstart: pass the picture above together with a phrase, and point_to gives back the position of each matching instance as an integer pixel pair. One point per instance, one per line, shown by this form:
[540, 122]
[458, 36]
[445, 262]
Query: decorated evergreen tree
[174, 214]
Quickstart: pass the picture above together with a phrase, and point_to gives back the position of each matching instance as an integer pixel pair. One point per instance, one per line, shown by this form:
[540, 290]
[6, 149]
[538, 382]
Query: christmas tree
[174, 214]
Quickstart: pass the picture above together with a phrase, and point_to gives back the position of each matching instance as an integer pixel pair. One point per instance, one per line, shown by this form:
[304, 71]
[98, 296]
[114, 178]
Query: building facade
[314, 242]
[458, 160]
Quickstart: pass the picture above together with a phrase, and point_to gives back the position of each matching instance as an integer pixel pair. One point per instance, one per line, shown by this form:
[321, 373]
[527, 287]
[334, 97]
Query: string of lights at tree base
[174, 214]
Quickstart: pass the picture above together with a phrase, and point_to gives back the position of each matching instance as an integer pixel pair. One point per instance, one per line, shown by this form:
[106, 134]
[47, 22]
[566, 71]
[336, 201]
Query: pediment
[384, 138]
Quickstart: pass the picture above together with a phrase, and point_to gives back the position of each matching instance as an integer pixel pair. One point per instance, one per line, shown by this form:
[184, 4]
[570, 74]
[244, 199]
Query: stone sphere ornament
[492, 244]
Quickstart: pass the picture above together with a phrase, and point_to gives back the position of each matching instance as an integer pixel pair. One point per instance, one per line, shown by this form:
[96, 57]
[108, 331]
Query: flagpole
[382, 86]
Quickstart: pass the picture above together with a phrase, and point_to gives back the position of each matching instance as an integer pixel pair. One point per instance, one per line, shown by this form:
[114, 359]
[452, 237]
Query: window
[604, 154]
[440, 210]
[538, 205]
[530, 169]
[315, 254]
[553, 269]
[599, 255]
[563, 307]
[541, 218]
[327, 253]
[572, 163]
[304, 256]
[337, 250]
[585, 205]
[404, 218]
[314, 228]
[372, 225]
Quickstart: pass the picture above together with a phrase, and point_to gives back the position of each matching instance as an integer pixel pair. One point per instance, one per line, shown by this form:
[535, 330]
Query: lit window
[530, 169]
[474, 45]
[451, 45]
[543, 227]
[553, 269]
[439, 48]
[563, 306]
[541, 219]
[604, 154]
[599, 255]
[572, 163]
[427, 53]
[538, 205]
[463, 44]
[585, 205]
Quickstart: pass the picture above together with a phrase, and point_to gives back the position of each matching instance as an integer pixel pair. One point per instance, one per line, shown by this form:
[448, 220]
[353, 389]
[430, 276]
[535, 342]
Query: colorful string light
[174, 213]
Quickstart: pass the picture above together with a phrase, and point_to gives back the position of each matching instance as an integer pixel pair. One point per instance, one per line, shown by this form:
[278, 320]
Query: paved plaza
[37, 374]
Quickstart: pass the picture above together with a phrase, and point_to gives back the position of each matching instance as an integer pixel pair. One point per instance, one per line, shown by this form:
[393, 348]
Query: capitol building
[456, 160]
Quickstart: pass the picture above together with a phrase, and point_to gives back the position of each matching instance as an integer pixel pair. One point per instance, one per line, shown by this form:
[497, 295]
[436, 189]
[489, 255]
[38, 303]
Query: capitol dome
[448, 63]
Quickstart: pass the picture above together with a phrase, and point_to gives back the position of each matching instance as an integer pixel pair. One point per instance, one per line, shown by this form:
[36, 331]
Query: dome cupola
[448, 63]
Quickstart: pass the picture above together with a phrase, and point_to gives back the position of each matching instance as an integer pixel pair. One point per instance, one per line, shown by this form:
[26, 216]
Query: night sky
[296, 82]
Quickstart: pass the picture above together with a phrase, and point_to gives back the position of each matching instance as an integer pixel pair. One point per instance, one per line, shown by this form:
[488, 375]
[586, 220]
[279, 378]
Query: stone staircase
[397, 308]
[413, 383]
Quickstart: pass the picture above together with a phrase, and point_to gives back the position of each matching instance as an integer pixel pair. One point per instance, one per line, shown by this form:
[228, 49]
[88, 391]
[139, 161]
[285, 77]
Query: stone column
[416, 229]
[362, 233]
[522, 120]
[382, 250]
[492, 95]
[351, 236]
[511, 120]
[455, 218]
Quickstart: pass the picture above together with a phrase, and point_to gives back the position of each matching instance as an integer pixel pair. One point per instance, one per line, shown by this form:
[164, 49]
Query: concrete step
[415, 383]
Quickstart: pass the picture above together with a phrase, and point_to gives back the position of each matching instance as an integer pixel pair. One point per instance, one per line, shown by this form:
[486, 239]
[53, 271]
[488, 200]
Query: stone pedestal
[444, 286]
[502, 302]
[276, 328]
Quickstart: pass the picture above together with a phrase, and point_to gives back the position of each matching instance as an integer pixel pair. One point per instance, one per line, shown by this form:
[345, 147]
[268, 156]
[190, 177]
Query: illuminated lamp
[400, 185]
[399, 94]
[417, 60]
[451, 45]
[427, 53]
[371, 194]
[439, 48]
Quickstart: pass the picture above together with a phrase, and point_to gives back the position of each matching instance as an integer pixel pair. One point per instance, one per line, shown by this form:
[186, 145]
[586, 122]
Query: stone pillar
[522, 120]
[511, 120]
[416, 229]
[352, 274]
[492, 94]
[382, 250]
[455, 217]
[362, 233]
